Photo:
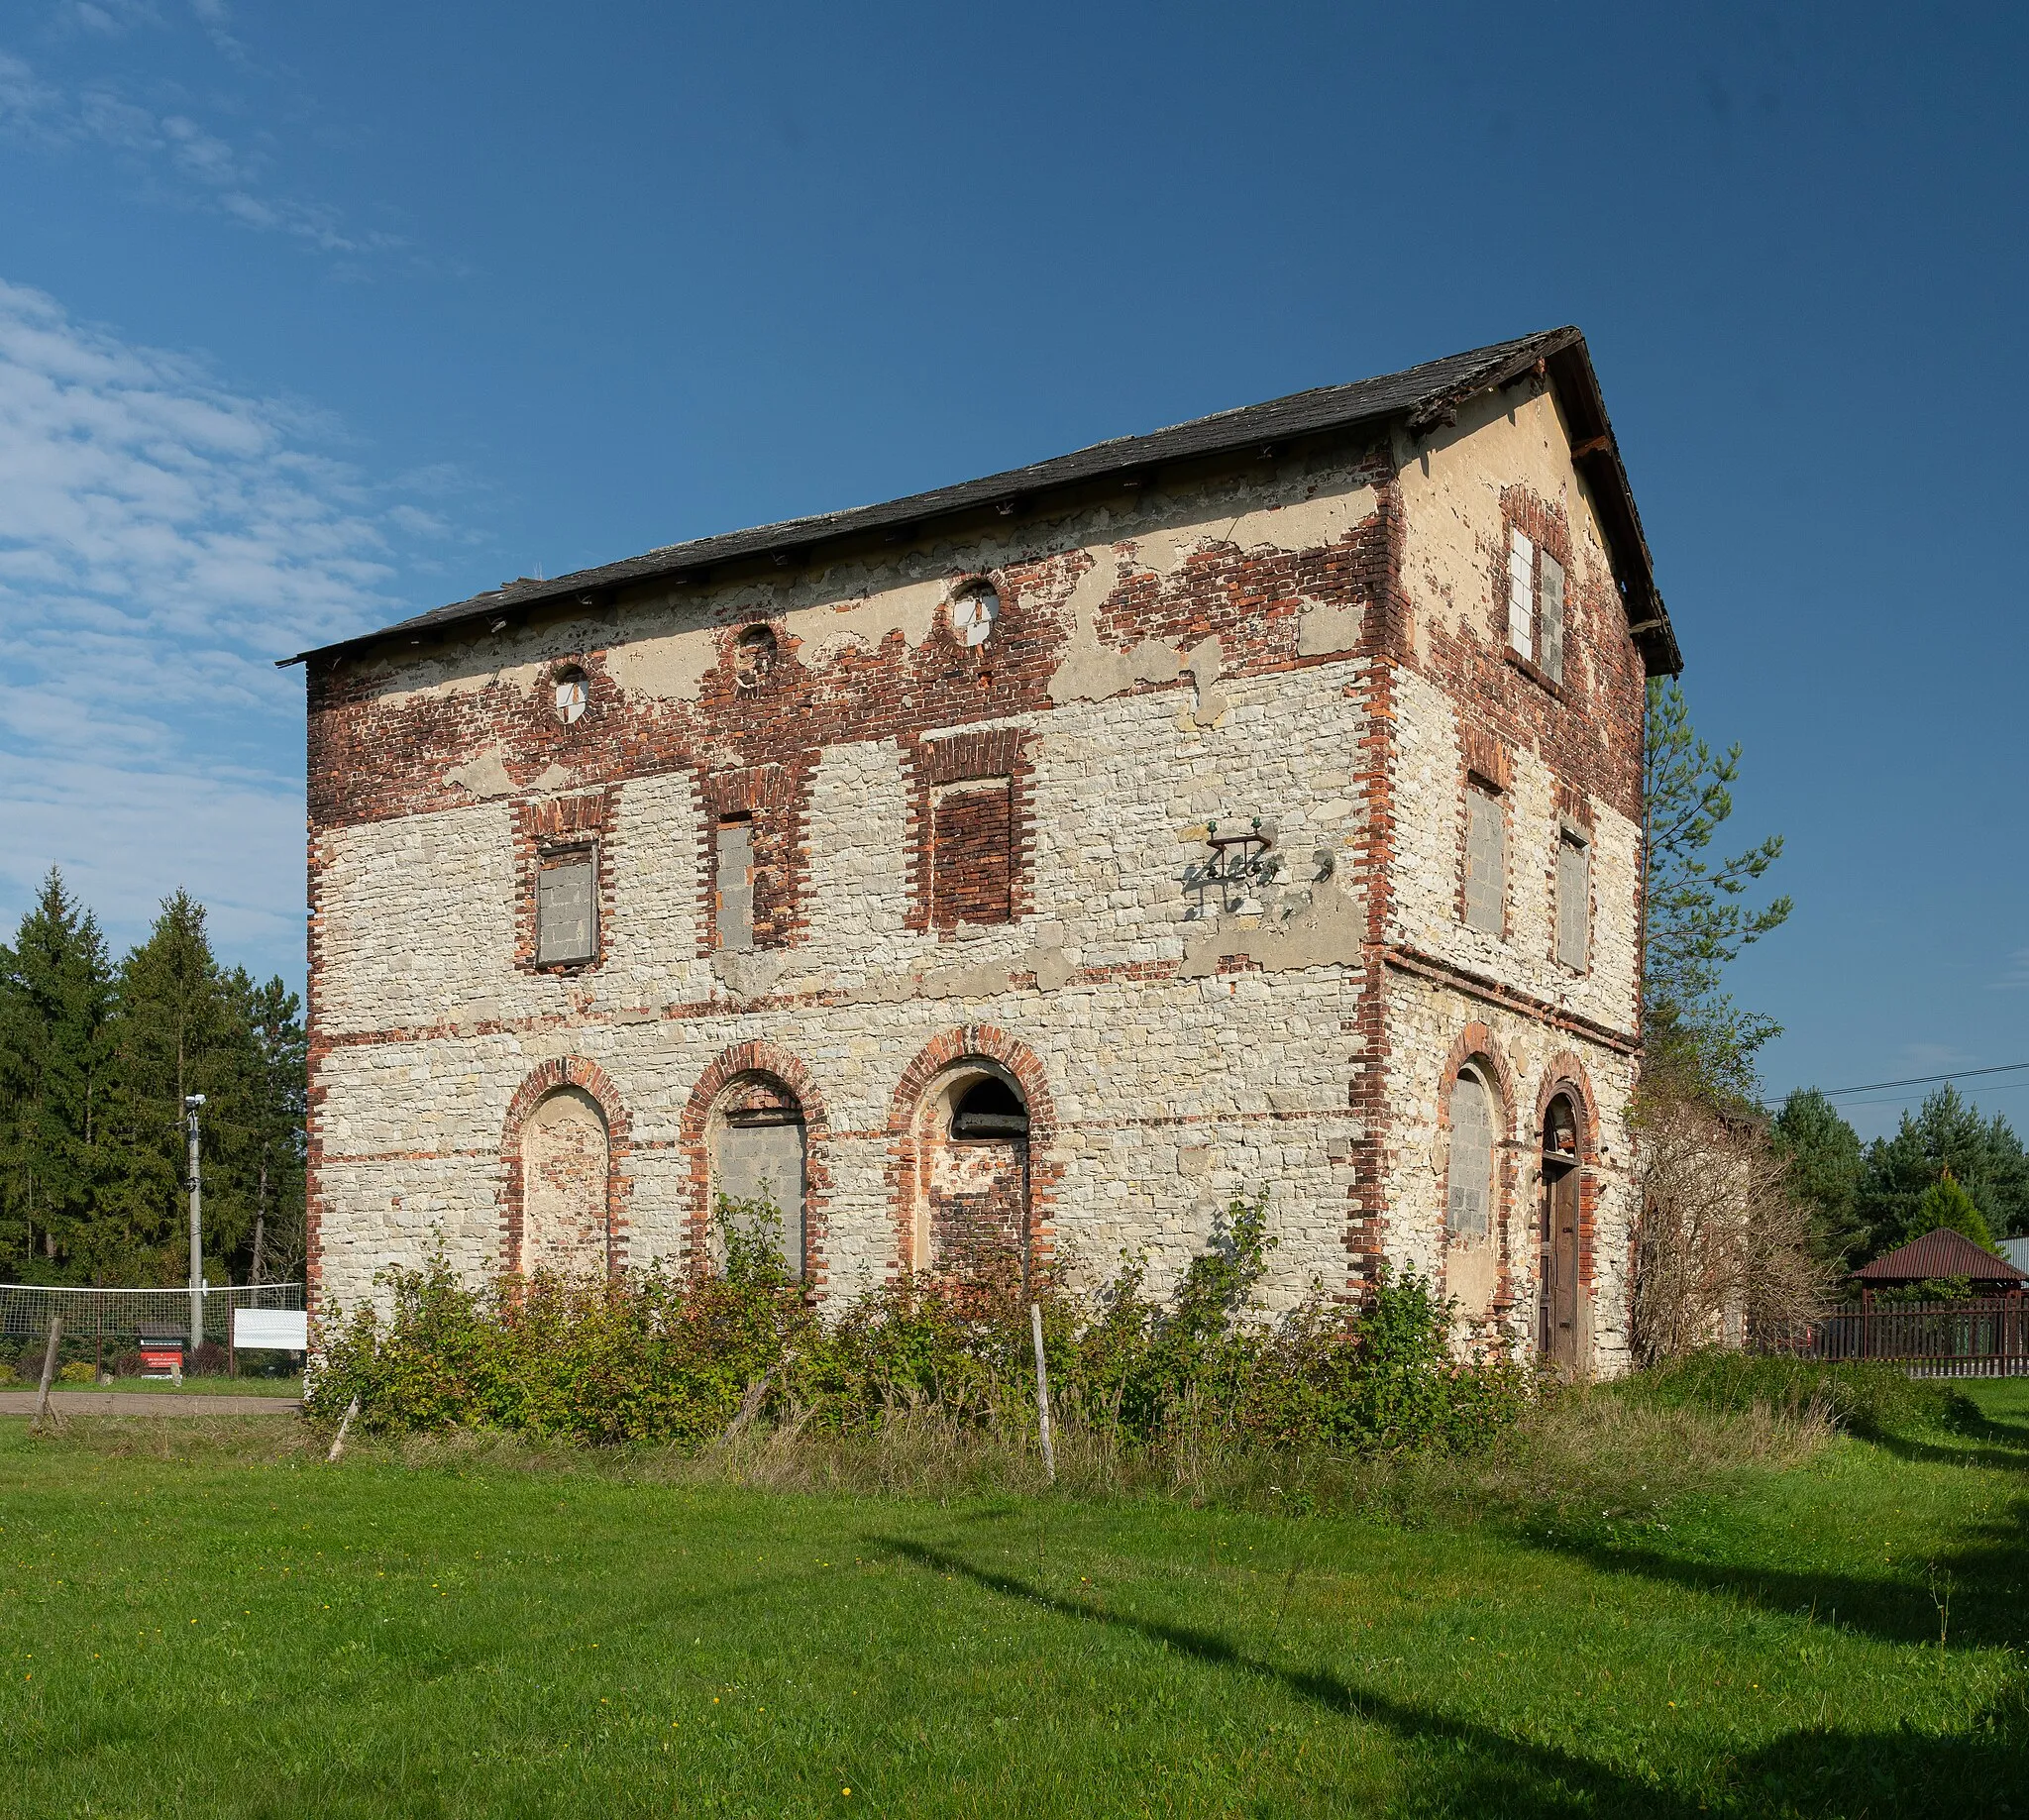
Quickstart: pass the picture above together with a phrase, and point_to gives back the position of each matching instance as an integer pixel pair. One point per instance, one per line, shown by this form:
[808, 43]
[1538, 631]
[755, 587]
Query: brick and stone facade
[848, 861]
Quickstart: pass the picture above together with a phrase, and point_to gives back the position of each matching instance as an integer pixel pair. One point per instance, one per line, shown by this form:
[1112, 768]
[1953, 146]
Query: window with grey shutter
[733, 893]
[1469, 1179]
[1553, 618]
[1521, 593]
[1574, 901]
[1486, 864]
[566, 911]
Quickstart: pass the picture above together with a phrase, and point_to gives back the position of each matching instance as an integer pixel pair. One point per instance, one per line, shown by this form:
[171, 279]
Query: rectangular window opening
[1521, 593]
[732, 899]
[566, 908]
[972, 852]
[1486, 862]
[1574, 901]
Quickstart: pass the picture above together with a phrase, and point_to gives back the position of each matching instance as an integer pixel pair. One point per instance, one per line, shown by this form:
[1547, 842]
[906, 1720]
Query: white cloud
[162, 540]
[193, 163]
[2015, 973]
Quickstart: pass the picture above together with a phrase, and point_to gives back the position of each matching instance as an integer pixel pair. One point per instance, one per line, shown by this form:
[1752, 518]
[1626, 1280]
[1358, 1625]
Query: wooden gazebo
[1935, 1256]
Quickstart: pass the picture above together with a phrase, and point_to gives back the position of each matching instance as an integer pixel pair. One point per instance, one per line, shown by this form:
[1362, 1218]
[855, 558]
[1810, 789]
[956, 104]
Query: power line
[1916, 1080]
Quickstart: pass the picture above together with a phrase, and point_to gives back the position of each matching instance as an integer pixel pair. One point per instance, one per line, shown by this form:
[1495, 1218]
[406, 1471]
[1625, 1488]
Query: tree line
[97, 1058]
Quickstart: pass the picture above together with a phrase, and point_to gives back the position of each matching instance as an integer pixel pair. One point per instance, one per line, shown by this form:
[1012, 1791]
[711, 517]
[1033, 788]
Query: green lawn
[200, 1626]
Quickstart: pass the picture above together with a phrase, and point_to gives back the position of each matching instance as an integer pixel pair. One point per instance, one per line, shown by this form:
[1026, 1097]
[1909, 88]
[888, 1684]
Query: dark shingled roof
[1423, 398]
[1939, 1254]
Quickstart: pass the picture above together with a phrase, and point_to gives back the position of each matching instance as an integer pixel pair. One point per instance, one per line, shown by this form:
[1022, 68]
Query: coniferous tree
[173, 1035]
[1824, 1158]
[1945, 1135]
[1945, 1204]
[1695, 917]
[273, 1156]
[55, 995]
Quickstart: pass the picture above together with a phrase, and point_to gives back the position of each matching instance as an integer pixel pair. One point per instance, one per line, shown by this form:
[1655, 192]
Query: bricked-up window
[1469, 1179]
[1574, 900]
[732, 903]
[972, 852]
[1486, 861]
[566, 908]
[1550, 617]
[1521, 593]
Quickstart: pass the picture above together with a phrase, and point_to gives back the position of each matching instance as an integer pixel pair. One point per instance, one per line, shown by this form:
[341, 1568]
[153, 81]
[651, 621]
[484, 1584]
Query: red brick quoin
[762, 1063]
[566, 1071]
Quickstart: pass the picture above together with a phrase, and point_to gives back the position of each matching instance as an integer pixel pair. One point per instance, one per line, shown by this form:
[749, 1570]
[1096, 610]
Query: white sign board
[285, 1328]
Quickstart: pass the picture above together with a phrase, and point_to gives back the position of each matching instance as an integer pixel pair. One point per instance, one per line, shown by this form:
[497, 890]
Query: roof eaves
[1423, 397]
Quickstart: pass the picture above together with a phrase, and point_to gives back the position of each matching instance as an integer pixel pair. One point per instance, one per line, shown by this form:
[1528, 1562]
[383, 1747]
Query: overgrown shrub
[1864, 1397]
[651, 1356]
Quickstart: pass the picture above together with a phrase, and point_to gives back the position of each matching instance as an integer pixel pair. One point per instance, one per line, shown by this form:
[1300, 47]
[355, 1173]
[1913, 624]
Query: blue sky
[312, 315]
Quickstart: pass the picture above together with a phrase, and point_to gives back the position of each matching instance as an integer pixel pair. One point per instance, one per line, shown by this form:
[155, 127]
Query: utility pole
[192, 1103]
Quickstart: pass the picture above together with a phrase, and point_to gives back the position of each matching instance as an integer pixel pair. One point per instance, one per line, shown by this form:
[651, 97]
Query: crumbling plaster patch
[1452, 486]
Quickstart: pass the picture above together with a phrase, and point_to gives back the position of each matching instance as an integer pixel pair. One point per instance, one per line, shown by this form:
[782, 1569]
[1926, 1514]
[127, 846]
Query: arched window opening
[565, 1166]
[1469, 1183]
[757, 1146]
[990, 1109]
[972, 1201]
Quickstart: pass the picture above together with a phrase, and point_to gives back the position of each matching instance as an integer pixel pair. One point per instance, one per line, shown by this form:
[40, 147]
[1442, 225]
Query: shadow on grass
[1479, 1771]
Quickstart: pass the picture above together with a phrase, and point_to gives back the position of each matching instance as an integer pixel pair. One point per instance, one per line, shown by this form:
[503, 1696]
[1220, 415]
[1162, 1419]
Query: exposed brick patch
[774, 797]
[752, 1074]
[566, 1071]
[971, 846]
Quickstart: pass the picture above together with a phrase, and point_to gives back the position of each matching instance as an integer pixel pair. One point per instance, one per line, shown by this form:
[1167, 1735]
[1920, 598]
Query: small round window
[973, 615]
[570, 694]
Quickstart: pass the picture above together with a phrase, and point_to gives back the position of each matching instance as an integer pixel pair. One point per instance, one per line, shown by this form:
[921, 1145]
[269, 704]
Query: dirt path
[145, 1403]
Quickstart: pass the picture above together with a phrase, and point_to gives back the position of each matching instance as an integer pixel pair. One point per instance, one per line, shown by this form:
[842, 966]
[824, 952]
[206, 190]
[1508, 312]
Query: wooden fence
[1987, 1336]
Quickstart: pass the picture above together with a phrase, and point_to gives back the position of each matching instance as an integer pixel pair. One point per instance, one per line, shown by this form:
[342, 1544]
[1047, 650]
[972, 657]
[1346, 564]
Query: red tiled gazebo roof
[1939, 1255]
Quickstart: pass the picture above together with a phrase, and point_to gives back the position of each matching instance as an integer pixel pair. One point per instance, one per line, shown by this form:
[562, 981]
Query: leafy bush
[80, 1371]
[654, 1357]
[1865, 1398]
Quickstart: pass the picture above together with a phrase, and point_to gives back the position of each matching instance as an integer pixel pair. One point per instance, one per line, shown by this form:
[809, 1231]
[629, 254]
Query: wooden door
[1560, 1334]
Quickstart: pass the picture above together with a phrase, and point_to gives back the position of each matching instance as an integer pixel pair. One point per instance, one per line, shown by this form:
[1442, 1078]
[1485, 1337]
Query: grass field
[210, 1621]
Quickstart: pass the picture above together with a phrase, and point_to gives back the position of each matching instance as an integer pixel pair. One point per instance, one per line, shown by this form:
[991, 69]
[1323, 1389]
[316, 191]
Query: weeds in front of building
[717, 1361]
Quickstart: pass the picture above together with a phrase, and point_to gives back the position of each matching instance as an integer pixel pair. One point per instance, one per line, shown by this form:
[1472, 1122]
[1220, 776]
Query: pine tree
[54, 997]
[1946, 1135]
[1695, 919]
[173, 1035]
[1824, 1158]
[1945, 1204]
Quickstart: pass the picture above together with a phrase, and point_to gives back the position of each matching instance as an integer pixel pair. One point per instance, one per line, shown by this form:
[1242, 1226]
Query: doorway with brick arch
[1559, 1304]
[972, 1177]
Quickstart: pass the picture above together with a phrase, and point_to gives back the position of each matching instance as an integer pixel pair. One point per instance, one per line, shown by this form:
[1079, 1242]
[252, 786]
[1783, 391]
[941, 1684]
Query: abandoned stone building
[1032, 865]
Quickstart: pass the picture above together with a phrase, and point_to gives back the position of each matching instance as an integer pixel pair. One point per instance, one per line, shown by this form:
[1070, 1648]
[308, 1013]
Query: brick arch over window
[1476, 1047]
[590, 1078]
[741, 1060]
[984, 1042]
[1476, 1044]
